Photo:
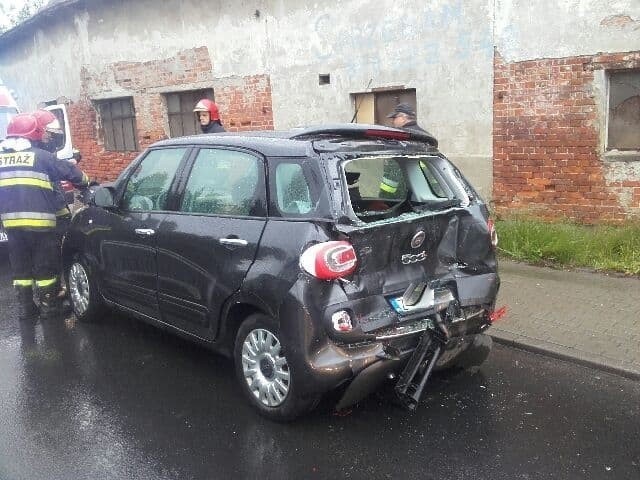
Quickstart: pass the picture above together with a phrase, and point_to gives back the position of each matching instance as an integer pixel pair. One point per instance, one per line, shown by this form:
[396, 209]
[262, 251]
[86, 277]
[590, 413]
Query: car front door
[206, 247]
[127, 248]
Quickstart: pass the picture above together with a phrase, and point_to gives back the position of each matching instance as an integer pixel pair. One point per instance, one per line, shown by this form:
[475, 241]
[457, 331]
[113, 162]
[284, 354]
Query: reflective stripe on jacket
[28, 220]
[27, 196]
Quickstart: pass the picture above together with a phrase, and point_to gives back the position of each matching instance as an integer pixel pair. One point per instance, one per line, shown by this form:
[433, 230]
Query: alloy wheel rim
[265, 368]
[79, 288]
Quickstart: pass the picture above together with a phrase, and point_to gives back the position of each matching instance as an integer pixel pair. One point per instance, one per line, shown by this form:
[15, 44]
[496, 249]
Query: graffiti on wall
[427, 37]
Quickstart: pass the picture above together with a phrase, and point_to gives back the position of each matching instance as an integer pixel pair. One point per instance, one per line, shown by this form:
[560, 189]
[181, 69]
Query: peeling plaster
[620, 21]
[624, 179]
[621, 171]
[526, 30]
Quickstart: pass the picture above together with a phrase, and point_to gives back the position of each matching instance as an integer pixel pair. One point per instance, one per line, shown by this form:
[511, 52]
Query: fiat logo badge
[418, 239]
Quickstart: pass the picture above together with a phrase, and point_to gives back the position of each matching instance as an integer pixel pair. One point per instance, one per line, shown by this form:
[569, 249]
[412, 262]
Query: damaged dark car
[330, 259]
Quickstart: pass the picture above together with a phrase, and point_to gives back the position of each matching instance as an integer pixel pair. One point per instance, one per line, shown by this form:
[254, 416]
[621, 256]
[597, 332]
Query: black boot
[27, 309]
[50, 303]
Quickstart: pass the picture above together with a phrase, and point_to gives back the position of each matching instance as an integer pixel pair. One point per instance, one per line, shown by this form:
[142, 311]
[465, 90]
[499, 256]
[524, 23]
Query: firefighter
[392, 184]
[50, 141]
[28, 213]
[51, 129]
[208, 116]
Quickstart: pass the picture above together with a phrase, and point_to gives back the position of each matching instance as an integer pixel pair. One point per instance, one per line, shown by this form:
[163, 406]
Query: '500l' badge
[414, 258]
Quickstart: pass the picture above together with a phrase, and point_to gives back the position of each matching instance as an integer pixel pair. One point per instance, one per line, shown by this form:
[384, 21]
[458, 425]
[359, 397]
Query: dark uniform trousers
[34, 259]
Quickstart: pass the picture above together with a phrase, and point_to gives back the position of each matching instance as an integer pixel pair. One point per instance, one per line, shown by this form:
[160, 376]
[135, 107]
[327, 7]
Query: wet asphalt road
[120, 400]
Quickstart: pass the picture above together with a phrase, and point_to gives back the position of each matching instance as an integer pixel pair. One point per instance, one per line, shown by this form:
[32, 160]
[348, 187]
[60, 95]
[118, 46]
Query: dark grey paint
[201, 291]
[196, 273]
[128, 261]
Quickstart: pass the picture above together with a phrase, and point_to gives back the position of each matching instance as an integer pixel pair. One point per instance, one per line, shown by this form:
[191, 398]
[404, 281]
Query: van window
[6, 114]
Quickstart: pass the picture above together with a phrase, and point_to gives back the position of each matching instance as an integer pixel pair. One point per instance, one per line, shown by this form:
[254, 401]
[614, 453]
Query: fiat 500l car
[335, 258]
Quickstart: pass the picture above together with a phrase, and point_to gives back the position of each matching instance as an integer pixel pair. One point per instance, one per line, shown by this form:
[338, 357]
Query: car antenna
[355, 114]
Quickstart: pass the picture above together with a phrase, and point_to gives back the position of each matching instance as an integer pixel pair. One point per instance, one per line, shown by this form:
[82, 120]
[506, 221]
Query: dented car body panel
[424, 261]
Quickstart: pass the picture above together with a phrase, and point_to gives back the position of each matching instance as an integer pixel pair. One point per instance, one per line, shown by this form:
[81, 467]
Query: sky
[11, 5]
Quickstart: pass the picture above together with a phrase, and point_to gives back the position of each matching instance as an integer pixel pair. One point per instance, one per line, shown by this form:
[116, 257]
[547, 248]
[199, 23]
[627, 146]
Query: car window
[225, 182]
[435, 183]
[385, 187]
[292, 189]
[148, 186]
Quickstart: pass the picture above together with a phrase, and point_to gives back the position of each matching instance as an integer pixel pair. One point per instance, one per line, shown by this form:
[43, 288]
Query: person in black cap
[404, 117]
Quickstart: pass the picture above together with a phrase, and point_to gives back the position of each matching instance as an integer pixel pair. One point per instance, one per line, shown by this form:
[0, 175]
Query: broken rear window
[382, 187]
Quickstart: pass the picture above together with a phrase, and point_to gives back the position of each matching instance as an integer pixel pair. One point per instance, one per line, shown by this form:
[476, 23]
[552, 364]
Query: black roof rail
[360, 130]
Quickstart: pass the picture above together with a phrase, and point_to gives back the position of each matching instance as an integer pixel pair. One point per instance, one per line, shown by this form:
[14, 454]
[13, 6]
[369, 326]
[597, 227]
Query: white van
[8, 108]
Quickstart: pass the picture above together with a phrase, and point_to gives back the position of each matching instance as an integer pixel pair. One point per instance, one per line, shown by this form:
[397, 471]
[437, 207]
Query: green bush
[602, 247]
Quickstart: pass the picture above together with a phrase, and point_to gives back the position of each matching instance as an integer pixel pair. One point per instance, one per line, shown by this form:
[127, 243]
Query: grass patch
[601, 247]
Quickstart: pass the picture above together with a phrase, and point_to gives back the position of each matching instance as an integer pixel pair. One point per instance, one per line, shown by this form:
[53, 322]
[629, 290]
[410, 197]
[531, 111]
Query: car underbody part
[419, 367]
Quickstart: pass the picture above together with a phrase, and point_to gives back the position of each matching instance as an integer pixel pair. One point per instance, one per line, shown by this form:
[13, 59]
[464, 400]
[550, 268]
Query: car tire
[83, 292]
[266, 377]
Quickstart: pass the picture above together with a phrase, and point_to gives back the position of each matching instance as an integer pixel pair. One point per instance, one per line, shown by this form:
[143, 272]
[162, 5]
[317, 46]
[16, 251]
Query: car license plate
[3, 236]
[398, 305]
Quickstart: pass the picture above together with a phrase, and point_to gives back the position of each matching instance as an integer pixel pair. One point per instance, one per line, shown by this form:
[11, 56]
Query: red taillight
[387, 134]
[329, 260]
[493, 235]
[497, 314]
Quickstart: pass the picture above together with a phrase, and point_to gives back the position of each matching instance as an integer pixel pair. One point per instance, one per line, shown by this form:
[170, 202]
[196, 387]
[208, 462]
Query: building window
[623, 131]
[182, 120]
[118, 122]
[373, 107]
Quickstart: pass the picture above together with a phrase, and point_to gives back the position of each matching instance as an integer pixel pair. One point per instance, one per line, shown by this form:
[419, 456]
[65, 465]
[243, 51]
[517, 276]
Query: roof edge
[52, 8]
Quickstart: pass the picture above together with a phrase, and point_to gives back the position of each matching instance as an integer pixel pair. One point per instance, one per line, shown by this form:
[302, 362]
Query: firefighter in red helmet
[49, 122]
[51, 128]
[50, 142]
[28, 214]
[208, 116]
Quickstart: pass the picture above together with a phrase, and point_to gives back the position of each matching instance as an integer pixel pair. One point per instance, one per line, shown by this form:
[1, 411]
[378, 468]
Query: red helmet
[48, 121]
[206, 105]
[45, 117]
[25, 125]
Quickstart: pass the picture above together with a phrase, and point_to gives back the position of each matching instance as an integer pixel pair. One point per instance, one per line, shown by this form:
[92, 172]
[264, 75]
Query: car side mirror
[77, 156]
[104, 197]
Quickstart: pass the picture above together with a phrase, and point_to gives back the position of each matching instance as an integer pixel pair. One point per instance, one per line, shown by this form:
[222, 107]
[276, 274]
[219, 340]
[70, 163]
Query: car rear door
[207, 246]
[418, 225]
[126, 239]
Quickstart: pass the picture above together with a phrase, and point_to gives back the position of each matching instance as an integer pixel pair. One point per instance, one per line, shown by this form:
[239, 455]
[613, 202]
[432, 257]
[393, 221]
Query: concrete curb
[565, 353]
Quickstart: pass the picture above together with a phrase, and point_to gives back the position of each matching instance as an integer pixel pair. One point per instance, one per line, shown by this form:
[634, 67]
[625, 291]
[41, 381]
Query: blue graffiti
[439, 33]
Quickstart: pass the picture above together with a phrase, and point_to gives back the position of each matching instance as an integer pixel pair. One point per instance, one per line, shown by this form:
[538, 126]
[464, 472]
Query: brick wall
[99, 164]
[546, 142]
[245, 104]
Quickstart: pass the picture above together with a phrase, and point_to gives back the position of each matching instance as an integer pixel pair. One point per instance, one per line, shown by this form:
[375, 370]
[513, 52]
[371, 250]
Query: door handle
[234, 242]
[145, 232]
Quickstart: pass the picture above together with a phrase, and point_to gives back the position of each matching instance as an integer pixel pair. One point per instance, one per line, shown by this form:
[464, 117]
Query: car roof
[269, 145]
[296, 141]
